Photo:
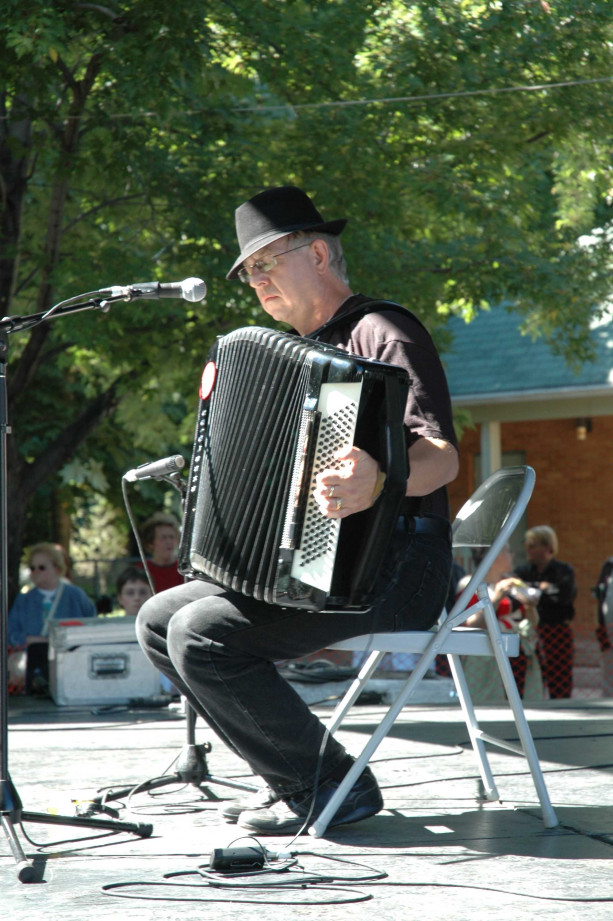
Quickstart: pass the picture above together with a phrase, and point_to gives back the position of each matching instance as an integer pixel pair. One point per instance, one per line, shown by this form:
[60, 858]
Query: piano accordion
[274, 410]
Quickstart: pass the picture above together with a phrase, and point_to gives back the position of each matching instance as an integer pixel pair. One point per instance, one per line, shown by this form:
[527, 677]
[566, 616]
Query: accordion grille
[246, 454]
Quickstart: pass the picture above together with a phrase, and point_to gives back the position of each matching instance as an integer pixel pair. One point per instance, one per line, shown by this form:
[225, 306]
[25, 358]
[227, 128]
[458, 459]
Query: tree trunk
[15, 140]
[25, 479]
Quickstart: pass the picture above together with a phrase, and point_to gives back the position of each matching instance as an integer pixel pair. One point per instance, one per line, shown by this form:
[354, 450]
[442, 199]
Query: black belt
[428, 524]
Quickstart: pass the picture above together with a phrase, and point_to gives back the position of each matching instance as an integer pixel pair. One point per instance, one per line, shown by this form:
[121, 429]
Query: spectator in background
[604, 631]
[160, 535]
[132, 590]
[52, 597]
[515, 606]
[556, 582]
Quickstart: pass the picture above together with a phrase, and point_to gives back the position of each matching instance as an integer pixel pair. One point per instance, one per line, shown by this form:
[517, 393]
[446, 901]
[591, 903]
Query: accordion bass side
[274, 410]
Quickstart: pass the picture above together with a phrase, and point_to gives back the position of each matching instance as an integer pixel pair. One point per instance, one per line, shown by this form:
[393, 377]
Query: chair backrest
[487, 520]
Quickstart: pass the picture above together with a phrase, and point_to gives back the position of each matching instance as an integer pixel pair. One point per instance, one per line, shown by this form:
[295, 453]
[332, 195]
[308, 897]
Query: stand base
[142, 829]
[12, 813]
[26, 872]
[192, 768]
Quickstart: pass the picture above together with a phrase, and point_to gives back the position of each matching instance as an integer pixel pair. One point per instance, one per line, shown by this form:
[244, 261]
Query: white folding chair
[485, 522]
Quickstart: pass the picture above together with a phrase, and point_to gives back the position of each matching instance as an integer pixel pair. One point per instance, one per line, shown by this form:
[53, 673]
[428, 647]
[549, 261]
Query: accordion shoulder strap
[410, 505]
[359, 311]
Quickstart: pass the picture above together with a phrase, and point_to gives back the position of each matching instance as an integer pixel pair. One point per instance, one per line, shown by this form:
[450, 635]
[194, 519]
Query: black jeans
[219, 649]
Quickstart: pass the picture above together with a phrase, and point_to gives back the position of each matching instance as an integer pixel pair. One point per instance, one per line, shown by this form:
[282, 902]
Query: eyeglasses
[40, 566]
[266, 264]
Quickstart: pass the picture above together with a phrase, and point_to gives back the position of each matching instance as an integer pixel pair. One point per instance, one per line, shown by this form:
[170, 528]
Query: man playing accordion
[219, 647]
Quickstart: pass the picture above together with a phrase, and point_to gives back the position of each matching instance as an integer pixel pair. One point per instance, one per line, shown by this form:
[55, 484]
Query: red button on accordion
[274, 410]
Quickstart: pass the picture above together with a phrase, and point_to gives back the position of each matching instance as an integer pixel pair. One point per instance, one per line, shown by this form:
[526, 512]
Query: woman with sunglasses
[51, 597]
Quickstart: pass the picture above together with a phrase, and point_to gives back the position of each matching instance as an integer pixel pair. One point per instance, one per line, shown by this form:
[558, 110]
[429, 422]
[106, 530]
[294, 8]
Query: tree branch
[99, 9]
[103, 204]
[58, 452]
[66, 73]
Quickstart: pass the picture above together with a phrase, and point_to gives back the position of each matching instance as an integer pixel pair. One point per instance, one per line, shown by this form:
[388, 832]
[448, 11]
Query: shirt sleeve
[86, 606]
[16, 623]
[398, 340]
[565, 583]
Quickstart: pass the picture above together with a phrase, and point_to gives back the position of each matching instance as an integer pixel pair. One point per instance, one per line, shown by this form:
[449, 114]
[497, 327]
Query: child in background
[132, 590]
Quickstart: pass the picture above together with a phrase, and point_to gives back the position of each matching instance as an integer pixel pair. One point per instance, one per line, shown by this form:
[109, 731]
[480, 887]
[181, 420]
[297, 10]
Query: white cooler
[99, 662]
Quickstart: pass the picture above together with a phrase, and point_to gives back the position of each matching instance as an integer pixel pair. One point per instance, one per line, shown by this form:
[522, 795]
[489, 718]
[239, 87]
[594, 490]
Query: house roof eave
[526, 405]
[528, 396]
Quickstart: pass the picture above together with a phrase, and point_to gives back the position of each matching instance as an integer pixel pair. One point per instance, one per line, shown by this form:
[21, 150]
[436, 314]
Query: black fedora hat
[274, 213]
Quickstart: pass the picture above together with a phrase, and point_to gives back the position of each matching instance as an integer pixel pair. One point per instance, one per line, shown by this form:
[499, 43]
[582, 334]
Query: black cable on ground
[256, 886]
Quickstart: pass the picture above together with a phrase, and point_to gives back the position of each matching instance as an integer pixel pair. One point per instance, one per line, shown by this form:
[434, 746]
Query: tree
[130, 131]
[479, 189]
[119, 148]
[83, 169]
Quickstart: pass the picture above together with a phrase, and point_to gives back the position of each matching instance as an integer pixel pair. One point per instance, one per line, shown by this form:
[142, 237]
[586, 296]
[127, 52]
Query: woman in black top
[556, 581]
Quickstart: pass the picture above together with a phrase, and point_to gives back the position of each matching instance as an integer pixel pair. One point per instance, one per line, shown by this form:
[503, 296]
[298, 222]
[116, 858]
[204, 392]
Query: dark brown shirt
[398, 338]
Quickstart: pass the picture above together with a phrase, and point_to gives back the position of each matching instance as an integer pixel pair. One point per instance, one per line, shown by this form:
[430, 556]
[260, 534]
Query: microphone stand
[11, 809]
[191, 764]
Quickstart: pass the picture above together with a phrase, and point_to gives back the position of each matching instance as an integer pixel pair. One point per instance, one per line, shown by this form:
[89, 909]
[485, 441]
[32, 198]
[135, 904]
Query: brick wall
[573, 492]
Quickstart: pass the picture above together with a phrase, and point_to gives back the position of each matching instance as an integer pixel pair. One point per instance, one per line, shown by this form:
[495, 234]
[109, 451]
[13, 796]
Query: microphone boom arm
[15, 324]
[191, 289]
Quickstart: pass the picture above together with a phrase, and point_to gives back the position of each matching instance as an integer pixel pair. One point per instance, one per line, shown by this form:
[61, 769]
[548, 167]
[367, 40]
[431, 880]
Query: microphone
[191, 289]
[159, 468]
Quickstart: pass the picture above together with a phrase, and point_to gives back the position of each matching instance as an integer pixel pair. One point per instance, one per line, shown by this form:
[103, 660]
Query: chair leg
[354, 690]
[474, 730]
[550, 820]
[319, 826]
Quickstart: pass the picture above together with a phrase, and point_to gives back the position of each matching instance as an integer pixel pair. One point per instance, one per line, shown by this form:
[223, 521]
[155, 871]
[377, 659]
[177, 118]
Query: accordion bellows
[274, 411]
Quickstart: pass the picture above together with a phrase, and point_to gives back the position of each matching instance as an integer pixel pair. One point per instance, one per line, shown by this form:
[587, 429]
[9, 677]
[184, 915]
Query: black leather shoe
[288, 816]
[264, 798]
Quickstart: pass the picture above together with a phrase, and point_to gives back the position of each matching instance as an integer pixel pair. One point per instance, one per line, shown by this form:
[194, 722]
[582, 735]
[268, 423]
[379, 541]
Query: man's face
[286, 291]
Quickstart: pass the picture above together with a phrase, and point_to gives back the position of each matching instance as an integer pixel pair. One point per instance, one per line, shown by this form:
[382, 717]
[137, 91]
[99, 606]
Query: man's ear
[320, 250]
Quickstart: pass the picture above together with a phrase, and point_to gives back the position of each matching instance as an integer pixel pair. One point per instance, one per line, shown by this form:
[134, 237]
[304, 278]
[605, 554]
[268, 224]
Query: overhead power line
[424, 97]
[342, 103]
